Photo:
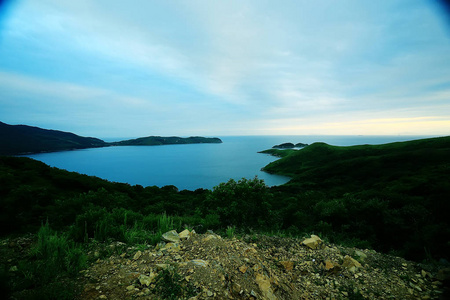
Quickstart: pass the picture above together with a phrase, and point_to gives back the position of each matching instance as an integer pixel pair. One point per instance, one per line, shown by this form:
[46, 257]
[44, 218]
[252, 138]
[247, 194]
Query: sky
[113, 68]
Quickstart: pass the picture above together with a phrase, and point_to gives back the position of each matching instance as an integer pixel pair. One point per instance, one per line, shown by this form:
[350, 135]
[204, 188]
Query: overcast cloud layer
[114, 69]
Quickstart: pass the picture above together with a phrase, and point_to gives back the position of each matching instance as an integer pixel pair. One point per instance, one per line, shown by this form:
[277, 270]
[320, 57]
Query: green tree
[241, 203]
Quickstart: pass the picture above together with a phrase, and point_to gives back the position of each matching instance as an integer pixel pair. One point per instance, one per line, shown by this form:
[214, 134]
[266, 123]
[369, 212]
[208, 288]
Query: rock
[147, 280]
[130, 288]
[288, 265]
[314, 242]
[199, 262]
[162, 266]
[211, 237]
[137, 255]
[243, 269]
[264, 285]
[172, 247]
[329, 265]
[171, 236]
[351, 264]
[361, 256]
[236, 287]
[184, 235]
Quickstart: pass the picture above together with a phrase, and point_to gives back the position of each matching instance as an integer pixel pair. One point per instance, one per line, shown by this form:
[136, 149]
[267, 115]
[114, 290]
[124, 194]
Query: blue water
[191, 166]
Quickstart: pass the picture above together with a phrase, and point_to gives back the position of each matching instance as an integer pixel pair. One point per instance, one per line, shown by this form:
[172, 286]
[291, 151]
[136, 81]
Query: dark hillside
[20, 139]
[366, 165]
[32, 193]
[393, 196]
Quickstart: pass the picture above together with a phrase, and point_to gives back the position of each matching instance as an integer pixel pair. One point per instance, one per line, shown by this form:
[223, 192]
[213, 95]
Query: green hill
[325, 166]
[21, 139]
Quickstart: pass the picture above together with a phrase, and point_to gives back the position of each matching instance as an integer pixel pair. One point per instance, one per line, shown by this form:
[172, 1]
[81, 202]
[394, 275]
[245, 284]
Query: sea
[192, 166]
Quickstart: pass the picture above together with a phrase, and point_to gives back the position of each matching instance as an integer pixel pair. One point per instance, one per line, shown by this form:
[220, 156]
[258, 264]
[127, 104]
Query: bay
[192, 166]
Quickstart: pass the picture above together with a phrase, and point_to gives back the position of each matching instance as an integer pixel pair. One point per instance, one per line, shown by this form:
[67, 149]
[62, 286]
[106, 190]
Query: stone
[137, 255]
[162, 266]
[314, 242]
[361, 256]
[351, 264]
[264, 285]
[171, 236]
[184, 235]
[288, 265]
[329, 265]
[172, 247]
[243, 269]
[211, 237]
[199, 262]
[130, 288]
[236, 287]
[147, 279]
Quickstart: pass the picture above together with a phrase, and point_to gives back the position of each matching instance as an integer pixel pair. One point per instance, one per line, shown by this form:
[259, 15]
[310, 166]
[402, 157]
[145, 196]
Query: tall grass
[58, 253]
[53, 258]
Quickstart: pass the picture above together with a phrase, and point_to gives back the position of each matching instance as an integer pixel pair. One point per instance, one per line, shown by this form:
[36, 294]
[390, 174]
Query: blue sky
[214, 68]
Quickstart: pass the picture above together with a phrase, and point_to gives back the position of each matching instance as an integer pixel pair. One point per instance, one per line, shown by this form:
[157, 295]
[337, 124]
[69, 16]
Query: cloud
[230, 65]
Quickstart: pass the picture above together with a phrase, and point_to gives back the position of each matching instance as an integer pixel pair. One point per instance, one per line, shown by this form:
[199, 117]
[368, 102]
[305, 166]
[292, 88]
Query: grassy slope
[323, 166]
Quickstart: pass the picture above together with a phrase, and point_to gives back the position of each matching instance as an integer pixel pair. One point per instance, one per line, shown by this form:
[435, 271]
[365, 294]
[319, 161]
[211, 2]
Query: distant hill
[159, 140]
[22, 139]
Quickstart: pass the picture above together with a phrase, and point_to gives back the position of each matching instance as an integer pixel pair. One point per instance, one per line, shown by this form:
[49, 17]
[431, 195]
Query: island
[172, 140]
[290, 146]
[24, 139]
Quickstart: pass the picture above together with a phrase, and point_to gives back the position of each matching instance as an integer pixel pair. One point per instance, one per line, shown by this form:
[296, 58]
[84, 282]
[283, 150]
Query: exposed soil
[205, 266]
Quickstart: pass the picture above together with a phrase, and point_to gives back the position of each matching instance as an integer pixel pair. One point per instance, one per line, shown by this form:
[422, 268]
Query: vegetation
[391, 198]
[171, 286]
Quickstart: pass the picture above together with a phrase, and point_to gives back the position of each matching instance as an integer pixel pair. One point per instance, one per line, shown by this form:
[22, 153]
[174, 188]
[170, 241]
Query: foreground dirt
[206, 266]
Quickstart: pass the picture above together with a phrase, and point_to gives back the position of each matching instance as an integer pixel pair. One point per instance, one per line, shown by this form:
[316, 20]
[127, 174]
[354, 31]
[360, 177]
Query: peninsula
[24, 139]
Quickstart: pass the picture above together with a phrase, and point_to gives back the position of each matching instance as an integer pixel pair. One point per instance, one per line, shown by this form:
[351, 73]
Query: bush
[244, 203]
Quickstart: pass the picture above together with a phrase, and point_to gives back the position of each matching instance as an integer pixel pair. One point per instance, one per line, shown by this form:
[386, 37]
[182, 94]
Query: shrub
[243, 203]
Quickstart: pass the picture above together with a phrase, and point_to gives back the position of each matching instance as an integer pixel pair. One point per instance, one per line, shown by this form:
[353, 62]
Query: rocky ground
[206, 266]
